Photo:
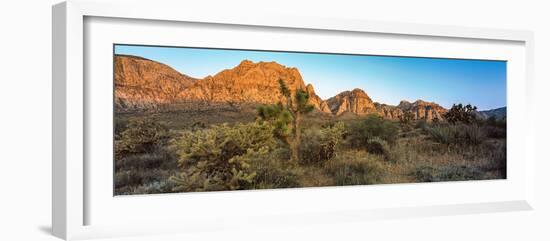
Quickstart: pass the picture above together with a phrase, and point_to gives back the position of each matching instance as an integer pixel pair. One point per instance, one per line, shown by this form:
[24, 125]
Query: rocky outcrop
[144, 84]
[316, 101]
[355, 101]
[388, 111]
[423, 110]
[247, 83]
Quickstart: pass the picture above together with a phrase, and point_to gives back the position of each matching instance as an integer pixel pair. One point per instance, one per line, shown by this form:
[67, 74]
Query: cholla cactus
[219, 158]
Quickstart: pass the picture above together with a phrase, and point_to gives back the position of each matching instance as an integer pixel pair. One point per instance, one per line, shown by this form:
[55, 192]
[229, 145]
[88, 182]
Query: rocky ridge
[145, 84]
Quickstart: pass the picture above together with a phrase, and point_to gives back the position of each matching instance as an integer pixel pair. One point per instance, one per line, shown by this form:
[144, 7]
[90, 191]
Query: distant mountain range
[143, 84]
[498, 113]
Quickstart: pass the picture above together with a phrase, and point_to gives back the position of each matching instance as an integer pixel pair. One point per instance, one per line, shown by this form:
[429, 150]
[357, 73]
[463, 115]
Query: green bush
[141, 156]
[160, 158]
[376, 145]
[141, 136]
[319, 145]
[473, 134]
[125, 179]
[448, 173]
[219, 158]
[421, 124]
[457, 134]
[443, 134]
[360, 133]
[424, 174]
[459, 173]
[355, 168]
[273, 172]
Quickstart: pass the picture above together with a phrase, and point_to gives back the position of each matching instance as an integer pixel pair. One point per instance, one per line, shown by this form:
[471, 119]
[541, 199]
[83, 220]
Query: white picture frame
[72, 192]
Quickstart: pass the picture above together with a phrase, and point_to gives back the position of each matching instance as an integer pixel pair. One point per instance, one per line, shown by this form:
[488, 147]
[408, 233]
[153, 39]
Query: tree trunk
[295, 147]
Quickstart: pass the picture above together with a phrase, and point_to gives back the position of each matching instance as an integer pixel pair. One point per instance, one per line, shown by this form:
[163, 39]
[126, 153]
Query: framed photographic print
[195, 120]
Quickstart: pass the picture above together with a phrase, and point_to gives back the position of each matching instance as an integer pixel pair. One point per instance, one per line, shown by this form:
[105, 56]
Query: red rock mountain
[142, 83]
[358, 102]
[355, 101]
[145, 84]
[247, 83]
[422, 109]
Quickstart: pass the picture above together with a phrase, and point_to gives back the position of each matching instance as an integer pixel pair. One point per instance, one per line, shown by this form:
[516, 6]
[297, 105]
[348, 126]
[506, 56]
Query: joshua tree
[287, 117]
[461, 113]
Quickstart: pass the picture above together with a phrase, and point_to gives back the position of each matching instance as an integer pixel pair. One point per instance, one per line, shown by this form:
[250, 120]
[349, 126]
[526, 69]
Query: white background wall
[25, 120]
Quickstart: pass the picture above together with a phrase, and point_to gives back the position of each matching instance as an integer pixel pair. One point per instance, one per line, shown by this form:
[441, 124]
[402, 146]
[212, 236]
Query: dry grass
[421, 153]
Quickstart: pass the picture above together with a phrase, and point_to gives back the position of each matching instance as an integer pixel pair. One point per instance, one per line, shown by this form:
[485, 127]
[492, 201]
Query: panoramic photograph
[204, 119]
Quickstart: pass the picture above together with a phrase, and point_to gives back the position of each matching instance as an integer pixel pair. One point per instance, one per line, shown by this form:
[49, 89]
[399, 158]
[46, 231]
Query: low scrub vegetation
[355, 168]
[155, 156]
[219, 158]
[320, 145]
[361, 132]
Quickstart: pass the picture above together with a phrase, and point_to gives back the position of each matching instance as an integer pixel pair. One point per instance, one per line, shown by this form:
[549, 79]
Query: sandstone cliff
[358, 102]
[250, 82]
[355, 101]
[423, 109]
[144, 84]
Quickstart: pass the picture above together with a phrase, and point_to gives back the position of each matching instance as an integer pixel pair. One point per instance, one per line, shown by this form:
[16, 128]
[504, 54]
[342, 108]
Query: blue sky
[386, 79]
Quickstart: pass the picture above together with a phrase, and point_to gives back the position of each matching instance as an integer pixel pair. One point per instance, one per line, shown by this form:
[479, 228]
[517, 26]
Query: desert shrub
[495, 128]
[355, 168]
[407, 118]
[472, 134]
[497, 158]
[219, 158]
[461, 114]
[447, 173]
[406, 121]
[273, 172]
[141, 156]
[376, 145]
[457, 134]
[421, 124]
[444, 134]
[160, 158]
[319, 145]
[424, 174]
[138, 177]
[164, 186]
[141, 136]
[126, 178]
[361, 132]
[495, 132]
[120, 126]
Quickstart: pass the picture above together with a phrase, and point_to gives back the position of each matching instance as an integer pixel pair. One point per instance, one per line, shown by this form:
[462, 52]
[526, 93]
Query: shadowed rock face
[143, 84]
